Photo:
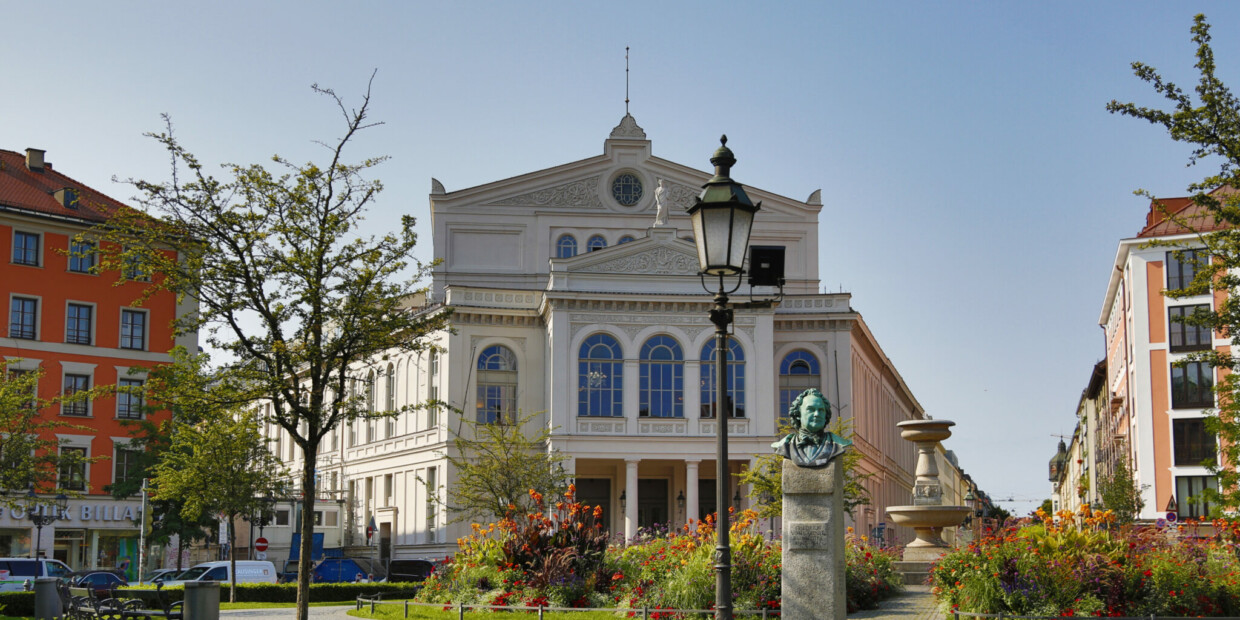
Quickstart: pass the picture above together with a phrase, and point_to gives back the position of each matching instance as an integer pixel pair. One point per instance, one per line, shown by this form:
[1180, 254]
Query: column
[630, 506]
[693, 394]
[691, 491]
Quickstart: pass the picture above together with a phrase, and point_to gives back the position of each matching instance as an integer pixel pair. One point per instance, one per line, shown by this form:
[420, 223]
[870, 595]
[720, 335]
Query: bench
[86, 604]
[149, 604]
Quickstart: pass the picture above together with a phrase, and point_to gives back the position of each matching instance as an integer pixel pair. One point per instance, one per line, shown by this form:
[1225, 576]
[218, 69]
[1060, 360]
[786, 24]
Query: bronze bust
[811, 444]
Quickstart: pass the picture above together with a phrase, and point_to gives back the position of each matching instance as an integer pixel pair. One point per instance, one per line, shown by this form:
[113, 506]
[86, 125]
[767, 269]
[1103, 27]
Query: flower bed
[563, 559]
[1081, 565]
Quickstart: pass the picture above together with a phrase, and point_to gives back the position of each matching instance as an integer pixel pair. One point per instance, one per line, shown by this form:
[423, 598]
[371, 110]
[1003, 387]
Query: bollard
[46, 598]
[202, 600]
[372, 606]
[460, 608]
[406, 608]
[540, 612]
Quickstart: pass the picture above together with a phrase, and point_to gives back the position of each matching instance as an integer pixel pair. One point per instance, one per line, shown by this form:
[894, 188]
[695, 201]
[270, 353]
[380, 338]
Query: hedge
[21, 604]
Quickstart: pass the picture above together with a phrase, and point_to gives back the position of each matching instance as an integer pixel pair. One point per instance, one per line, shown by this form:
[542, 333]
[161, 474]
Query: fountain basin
[928, 522]
[925, 430]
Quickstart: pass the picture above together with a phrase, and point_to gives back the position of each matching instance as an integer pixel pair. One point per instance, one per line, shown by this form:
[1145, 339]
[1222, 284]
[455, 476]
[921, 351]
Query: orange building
[1155, 410]
[60, 313]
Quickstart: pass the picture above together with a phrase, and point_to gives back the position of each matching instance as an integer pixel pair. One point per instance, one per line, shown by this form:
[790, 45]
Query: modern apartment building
[1156, 409]
[63, 315]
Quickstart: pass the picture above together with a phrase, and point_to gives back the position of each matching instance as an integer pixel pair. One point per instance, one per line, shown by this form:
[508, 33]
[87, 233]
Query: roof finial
[626, 80]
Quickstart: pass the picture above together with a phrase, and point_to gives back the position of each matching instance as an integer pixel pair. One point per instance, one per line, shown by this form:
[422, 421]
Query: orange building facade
[83, 330]
[1156, 408]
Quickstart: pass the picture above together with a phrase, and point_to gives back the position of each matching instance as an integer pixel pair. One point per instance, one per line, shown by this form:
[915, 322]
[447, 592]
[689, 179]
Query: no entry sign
[260, 544]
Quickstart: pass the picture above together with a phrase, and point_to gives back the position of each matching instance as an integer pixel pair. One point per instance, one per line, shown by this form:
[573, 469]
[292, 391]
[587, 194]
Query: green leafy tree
[285, 284]
[497, 465]
[1120, 493]
[30, 456]
[765, 478]
[1210, 124]
[217, 461]
[1047, 507]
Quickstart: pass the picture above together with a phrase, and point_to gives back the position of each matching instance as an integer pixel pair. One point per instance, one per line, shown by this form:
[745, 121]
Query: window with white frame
[125, 464]
[129, 399]
[74, 403]
[23, 318]
[497, 385]
[133, 329]
[389, 395]
[82, 256]
[565, 246]
[432, 505]
[72, 471]
[735, 404]
[600, 377]
[26, 248]
[79, 322]
[799, 371]
[662, 379]
[432, 412]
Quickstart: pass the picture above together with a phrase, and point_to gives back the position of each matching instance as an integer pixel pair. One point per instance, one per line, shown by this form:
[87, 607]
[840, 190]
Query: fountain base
[928, 522]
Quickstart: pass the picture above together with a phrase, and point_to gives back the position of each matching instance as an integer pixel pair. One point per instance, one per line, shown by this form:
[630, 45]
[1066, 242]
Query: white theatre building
[571, 304]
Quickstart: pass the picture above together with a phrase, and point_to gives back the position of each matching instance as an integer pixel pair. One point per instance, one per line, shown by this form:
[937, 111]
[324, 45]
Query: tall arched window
[370, 405]
[389, 404]
[432, 391]
[600, 377]
[565, 247]
[797, 372]
[497, 385]
[597, 242]
[736, 379]
[662, 379]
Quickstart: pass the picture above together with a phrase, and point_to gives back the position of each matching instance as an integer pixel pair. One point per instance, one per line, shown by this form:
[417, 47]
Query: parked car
[248, 571]
[161, 575]
[101, 580]
[409, 570]
[345, 570]
[15, 572]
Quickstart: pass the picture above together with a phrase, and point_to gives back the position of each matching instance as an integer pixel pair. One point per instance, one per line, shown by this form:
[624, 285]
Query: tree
[1210, 124]
[1120, 493]
[284, 282]
[765, 479]
[217, 461]
[497, 465]
[30, 456]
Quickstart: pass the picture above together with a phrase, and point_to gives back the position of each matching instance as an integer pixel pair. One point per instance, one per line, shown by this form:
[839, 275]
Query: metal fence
[647, 613]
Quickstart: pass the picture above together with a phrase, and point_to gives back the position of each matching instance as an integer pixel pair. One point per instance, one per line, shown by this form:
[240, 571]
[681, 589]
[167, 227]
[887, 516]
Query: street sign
[260, 544]
[1172, 517]
[260, 556]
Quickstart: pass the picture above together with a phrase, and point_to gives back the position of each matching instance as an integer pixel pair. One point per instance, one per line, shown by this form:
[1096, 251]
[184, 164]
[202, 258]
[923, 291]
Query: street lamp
[722, 217]
[40, 518]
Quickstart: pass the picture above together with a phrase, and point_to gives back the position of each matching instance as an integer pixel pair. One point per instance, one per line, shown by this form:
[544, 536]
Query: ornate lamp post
[41, 517]
[722, 217]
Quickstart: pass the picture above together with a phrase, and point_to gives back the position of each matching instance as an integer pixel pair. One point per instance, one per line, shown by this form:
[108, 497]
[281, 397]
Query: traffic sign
[1172, 517]
[260, 544]
[260, 556]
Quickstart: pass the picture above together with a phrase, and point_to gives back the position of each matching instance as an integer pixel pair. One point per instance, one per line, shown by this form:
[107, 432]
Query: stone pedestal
[813, 532]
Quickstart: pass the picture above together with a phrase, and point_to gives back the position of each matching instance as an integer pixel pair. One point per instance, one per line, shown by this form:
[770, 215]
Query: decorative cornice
[579, 193]
[659, 261]
[628, 129]
[463, 316]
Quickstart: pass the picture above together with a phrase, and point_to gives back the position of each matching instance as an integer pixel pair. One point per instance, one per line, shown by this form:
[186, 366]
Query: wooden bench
[148, 604]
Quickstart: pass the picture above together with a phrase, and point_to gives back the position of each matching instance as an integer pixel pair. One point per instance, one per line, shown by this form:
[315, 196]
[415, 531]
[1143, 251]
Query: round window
[626, 188]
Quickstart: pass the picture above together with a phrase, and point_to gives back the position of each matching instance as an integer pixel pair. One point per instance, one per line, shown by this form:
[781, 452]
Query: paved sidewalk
[288, 613]
[915, 603]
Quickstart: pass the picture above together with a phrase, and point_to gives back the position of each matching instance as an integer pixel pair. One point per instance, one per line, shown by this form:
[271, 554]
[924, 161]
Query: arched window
[389, 395]
[597, 242]
[600, 377]
[626, 239]
[497, 385]
[736, 379]
[566, 247]
[797, 373]
[662, 381]
[432, 391]
[370, 405]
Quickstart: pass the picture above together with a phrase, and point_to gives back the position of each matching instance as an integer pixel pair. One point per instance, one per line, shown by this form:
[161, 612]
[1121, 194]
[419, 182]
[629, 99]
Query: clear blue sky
[974, 185]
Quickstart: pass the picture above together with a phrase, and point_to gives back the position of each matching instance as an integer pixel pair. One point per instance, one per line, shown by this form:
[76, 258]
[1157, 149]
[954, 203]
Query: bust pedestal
[813, 553]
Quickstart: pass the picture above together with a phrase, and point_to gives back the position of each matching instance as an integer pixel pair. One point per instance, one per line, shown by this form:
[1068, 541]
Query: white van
[248, 571]
[15, 572]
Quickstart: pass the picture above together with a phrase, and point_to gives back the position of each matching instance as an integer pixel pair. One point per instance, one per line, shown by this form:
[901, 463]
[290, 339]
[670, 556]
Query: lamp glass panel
[717, 225]
[699, 237]
[741, 223]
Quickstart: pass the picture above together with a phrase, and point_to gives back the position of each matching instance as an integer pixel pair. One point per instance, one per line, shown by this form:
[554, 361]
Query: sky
[974, 186]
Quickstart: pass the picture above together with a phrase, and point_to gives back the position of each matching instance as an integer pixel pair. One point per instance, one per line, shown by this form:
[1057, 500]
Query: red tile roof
[1176, 216]
[30, 190]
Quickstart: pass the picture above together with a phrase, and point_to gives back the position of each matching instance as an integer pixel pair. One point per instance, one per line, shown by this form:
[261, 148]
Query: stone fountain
[927, 516]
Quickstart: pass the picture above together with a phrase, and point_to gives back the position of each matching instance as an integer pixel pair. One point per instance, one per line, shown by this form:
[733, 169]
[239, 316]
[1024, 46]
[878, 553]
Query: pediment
[583, 192]
[660, 253]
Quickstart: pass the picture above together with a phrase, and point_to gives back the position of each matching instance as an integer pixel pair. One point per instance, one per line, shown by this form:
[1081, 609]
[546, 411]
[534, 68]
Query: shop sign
[79, 514]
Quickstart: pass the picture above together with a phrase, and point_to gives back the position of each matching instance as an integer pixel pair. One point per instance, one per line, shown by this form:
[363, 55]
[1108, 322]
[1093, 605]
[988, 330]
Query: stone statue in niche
[811, 444]
[661, 199]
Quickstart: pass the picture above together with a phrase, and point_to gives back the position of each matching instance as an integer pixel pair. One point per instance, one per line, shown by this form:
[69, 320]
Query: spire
[626, 80]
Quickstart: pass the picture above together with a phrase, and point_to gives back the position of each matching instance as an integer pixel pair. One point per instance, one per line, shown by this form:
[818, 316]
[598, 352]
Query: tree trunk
[180, 551]
[232, 558]
[304, 561]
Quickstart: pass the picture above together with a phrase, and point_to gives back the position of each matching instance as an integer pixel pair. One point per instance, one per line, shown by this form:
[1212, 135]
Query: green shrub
[17, 604]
